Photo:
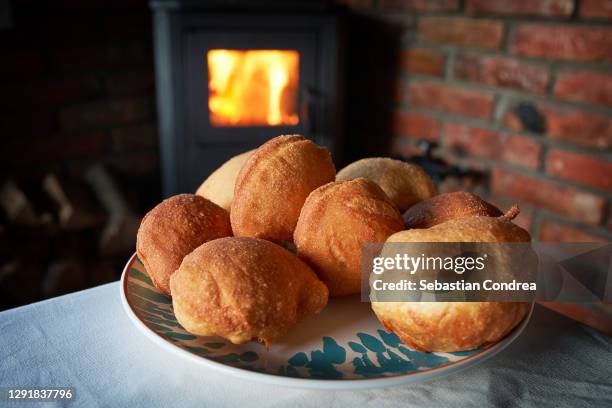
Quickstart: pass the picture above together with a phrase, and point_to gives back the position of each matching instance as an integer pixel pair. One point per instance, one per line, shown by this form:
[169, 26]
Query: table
[85, 340]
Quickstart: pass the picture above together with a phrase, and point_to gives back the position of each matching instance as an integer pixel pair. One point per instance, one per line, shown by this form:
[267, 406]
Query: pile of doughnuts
[221, 254]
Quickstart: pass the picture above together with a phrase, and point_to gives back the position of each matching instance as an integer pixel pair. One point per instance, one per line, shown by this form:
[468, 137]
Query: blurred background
[511, 100]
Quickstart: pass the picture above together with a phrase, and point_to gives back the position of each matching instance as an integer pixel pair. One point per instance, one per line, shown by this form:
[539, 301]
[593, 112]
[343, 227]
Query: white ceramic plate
[344, 347]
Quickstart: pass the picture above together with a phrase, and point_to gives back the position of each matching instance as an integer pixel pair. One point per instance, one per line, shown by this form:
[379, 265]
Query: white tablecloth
[85, 340]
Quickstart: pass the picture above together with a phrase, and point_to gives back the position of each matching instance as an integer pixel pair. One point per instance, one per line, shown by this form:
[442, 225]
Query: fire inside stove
[253, 87]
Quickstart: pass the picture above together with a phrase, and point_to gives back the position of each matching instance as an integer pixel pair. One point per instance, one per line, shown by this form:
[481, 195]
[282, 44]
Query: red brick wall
[521, 90]
[76, 87]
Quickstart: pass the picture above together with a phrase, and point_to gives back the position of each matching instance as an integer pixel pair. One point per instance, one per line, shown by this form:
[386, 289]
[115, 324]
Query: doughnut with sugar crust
[219, 186]
[456, 326]
[174, 228]
[244, 289]
[405, 183]
[335, 221]
[273, 184]
[447, 206]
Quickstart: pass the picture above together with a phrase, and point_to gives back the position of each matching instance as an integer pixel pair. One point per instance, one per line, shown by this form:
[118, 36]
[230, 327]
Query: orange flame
[255, 87]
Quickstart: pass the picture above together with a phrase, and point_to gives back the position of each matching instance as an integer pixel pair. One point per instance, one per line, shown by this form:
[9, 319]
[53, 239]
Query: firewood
[17, 206]
[119, 233]
[72, 210]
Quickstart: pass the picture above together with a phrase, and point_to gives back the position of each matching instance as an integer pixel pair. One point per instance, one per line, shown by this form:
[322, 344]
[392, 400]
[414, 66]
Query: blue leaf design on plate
[420, 359]
[321, 366]
[298, 360]
[333, 351]
[227, 358]
[464, 353]
[365, 367]
[144, 305]
[371, 342]
[179, 336]
[214, 345]
[322, 362]
[136, 274]
[149, 294]
[356, 347]
[249, 356]
[153, 319]
[391, 356]
[198, 350]
[389, 338]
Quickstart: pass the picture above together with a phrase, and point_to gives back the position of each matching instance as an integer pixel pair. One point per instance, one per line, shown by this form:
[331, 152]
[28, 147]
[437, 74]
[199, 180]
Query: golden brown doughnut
[404, 183]
[447, 206]
[174, 228]
[335, 220]
[468, 229]
[455, 326]
[244, 289]
[273, 185]
[450, 326]
[219, 186]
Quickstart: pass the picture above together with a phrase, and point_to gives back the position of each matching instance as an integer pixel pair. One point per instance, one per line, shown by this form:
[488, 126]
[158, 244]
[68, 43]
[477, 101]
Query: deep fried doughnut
[273, 185]
[404, 183]
[335, 221]
[174, 228]
[244, 289]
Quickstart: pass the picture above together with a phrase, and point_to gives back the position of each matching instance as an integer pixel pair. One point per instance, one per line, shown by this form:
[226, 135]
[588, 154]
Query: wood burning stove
[231, 75]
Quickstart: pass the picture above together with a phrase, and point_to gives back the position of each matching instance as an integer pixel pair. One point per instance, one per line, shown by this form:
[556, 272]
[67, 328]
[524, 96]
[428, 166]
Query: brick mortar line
[449, 68]
[536, 224]
[542, 176]
[498, 101]
[517, 19]
[542, 156]
[511, 93]
[500, 109]
[507, 37]
[553, 72]
[547, 215]
[532, 223]
[595, 65]
[539, 138]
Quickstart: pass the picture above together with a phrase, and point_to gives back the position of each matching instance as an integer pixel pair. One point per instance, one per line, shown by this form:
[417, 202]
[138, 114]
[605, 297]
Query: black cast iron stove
[232, 74]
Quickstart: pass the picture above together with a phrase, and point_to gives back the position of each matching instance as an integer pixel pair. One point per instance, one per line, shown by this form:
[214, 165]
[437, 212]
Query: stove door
[237, 81]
